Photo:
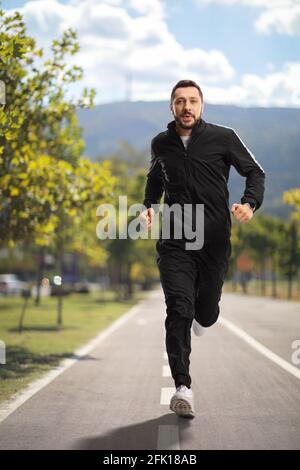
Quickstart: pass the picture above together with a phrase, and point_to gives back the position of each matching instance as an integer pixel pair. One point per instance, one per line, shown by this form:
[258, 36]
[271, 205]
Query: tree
[37, 124]
[292, 197]
[129, 260]
[45, 183]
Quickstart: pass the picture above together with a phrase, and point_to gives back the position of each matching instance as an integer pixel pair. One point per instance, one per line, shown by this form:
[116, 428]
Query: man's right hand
[146, 217]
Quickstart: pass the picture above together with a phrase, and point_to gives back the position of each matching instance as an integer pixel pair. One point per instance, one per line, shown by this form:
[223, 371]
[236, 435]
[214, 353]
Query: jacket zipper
[182, 144]
[185, 163]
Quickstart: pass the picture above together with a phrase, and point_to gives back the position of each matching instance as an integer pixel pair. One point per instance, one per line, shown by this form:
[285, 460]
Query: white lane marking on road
[166, 394]
[9, 406]
[166, 371]
[261, 348]
[168, 437]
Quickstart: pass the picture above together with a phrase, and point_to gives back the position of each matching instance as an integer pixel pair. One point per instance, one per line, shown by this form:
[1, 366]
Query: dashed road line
[166, 395]
[168, 437]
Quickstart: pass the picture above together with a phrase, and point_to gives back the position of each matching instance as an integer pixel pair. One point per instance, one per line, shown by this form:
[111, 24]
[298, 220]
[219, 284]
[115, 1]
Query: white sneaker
[182, 402]
[197, 328]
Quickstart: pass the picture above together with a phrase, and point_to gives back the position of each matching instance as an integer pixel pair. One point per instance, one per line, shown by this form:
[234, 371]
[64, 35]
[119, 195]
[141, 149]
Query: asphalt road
[116, 396]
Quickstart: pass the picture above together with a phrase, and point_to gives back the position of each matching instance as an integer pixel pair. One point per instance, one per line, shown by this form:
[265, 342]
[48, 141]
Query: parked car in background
[81, 287]
[67, 287]
[10, 284]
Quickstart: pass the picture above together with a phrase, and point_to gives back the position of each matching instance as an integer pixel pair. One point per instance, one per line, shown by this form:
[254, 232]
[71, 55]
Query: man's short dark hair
[186, 83]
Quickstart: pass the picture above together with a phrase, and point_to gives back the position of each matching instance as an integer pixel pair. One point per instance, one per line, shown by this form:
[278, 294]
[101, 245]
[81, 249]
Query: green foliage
[45, 183]
[292, 197]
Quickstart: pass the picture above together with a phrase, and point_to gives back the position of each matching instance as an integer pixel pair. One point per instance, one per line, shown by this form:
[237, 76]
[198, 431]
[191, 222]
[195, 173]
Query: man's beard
[186, 126]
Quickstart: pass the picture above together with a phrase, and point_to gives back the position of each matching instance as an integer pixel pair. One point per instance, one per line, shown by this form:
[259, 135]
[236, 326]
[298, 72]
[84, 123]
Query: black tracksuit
[192, 280]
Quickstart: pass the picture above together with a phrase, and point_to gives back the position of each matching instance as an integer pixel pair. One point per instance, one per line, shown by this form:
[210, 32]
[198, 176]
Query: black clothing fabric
[192, 286]
[199, 174]
[192, 280]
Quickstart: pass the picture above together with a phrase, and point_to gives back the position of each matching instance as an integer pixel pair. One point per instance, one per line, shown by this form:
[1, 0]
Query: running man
[190, 163]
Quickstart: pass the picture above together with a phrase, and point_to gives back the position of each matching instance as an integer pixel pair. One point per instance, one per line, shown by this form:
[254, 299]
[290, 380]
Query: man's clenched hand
[146, 217]
[242, 212]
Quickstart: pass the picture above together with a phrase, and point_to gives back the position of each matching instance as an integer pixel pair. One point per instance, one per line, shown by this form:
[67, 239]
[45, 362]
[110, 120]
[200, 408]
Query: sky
[240, 52]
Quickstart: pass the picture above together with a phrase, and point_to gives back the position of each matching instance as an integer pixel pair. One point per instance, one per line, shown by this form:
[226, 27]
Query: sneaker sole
[182, 408]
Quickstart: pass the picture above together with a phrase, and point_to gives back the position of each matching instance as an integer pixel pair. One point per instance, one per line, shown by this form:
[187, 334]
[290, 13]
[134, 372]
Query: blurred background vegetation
[61, 158]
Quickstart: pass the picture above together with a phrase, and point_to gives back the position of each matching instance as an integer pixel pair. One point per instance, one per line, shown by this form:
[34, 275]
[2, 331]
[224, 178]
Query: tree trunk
[24, 308]
[244, 282]
[40, 275]
[60, 307]
[59, 318]
[290, 286]
[274, 277]
[262, 278]
[129, 282]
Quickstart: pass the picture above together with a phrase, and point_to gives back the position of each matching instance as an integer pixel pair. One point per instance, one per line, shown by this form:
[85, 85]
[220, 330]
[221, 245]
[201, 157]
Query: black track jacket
[199, 174]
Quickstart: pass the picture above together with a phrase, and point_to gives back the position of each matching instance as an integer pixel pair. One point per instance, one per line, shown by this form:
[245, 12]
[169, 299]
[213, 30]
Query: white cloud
[148, 7]
[279, 88]
[256, 3]
[115, 43]
[282, 16]
[283, 20]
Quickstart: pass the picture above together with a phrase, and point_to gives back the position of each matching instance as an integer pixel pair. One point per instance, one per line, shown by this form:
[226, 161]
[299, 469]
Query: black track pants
[192, 282]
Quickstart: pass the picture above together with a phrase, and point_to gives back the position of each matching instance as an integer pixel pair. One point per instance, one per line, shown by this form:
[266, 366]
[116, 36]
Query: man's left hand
[242, 212]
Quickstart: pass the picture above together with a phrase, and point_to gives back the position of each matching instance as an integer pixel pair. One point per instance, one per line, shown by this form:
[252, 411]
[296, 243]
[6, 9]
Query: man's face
[186, 106]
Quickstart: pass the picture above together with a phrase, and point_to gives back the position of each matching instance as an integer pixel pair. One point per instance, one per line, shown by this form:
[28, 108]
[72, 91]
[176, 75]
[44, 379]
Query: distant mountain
[272, 135]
